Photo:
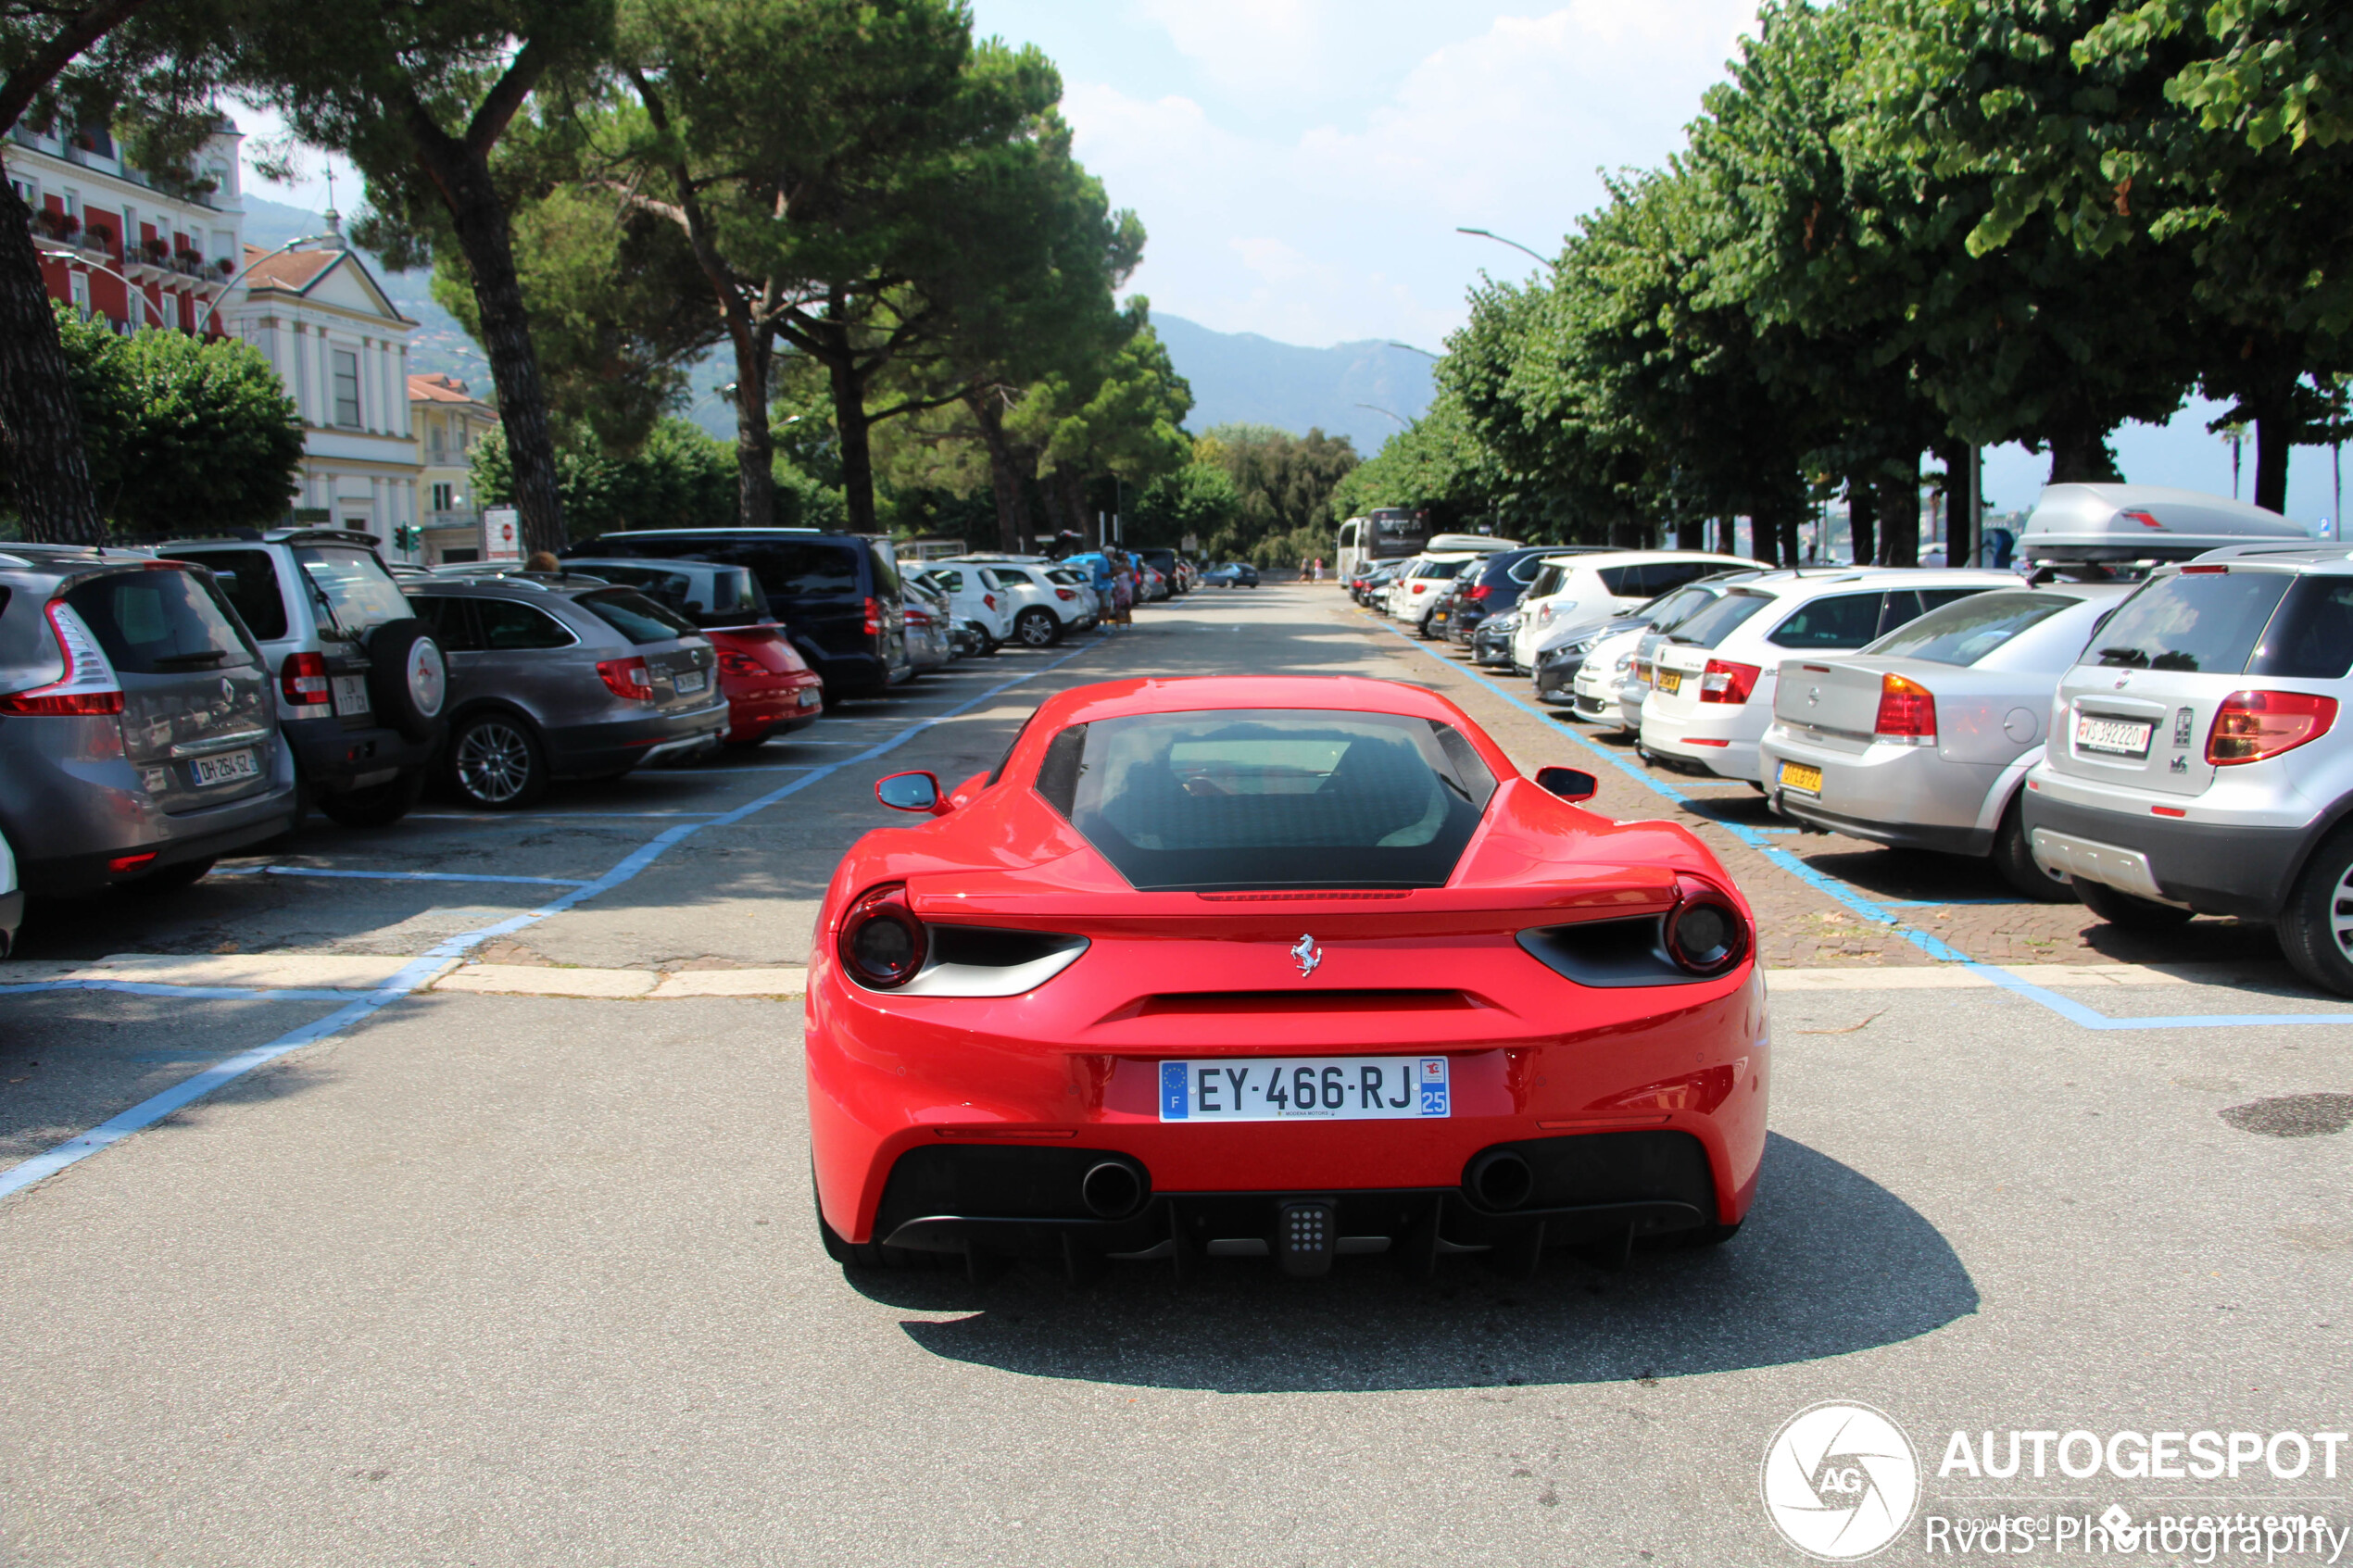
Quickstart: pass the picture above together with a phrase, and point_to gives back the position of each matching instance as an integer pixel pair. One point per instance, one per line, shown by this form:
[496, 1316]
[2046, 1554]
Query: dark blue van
[837, 594]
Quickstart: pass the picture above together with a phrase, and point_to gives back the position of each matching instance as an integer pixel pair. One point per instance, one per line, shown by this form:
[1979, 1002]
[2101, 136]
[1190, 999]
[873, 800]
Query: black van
[837, 594]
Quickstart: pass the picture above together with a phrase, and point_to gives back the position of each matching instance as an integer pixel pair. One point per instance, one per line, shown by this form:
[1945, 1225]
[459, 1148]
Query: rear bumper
[1910, 797]
[11, 917]
[775, 709]
[73, 804]
[2214, 868]
[854, 674]
[1722, 742]
[601, 748]
[334, 759]
[193, 835]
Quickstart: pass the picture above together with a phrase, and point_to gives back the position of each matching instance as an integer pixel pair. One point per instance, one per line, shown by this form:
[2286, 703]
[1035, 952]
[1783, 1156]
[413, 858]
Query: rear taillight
[1477, 593]
[874, 618]
[1724, 681]
[917, 617]
[303, 680]
[734, 663]
[86, 689]
[882, 944]
[1065, 594]
[1706, 934]
[2250, 726]
[988, 599]
[626, 678]
[1906, 713]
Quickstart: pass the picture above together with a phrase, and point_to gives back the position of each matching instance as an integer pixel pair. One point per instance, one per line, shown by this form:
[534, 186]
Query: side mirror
[1569, 784]
[911, 792]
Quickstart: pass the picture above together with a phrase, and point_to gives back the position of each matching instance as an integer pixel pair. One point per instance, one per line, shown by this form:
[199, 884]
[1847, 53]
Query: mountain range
[1364, 391]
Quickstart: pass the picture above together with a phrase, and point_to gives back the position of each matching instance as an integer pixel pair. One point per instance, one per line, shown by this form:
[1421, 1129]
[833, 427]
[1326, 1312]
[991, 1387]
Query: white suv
[1711, 696]
[1417, 590]
[1591, 588]
[2196, 764]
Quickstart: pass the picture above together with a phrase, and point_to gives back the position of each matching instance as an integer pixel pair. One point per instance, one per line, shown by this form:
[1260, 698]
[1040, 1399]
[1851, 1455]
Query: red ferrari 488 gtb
[1286, 967]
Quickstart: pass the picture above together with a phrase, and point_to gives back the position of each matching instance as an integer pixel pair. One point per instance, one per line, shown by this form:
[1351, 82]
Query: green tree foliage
[1118, 414]
[677, 477]
[1285, 485]
[1198, 501]
[183, 433]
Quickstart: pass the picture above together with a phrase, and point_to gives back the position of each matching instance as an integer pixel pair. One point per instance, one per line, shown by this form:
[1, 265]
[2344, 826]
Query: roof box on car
[1444, 543]
[2142, 522]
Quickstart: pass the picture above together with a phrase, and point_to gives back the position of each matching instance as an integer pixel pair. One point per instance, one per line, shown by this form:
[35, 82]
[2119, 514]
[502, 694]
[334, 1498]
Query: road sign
[502, 535]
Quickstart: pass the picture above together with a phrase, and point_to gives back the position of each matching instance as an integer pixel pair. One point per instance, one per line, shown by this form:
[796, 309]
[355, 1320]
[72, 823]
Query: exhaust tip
[1112, 1189]
[1500, 1179]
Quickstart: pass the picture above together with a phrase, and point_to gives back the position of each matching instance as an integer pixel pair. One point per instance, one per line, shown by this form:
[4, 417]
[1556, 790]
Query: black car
[1164, 562]
[1490, 591]
[837, 594]
[1232, 574]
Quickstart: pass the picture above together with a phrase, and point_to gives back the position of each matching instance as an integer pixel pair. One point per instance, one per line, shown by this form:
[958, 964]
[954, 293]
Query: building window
[78, 283]
[445, 497]
[346, 388]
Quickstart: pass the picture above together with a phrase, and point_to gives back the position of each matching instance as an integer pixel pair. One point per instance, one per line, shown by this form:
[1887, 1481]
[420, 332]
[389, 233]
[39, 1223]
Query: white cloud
[1350, 225]
[1275, 46]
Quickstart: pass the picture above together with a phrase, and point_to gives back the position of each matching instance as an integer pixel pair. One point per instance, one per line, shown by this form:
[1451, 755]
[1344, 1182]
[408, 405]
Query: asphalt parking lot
[492, 1243]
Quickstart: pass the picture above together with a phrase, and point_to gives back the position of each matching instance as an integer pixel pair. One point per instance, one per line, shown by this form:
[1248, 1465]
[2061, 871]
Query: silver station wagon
[564, 677]
[138, 735]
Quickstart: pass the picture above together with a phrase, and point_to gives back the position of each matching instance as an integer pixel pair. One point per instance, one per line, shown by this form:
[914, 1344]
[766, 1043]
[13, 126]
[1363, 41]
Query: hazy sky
[1302, 166]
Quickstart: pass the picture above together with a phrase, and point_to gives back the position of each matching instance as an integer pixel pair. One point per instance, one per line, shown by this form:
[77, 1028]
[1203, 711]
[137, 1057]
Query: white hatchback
[1590, 588]
[976, 594]
[1712, 680]
[1426, 579]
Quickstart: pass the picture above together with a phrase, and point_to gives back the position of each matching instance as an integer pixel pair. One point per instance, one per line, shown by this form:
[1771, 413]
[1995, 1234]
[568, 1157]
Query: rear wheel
[2014, 861]
[2126, 913]
[2316, 928]
[1036, 627]
[378, 806]
[496, 762]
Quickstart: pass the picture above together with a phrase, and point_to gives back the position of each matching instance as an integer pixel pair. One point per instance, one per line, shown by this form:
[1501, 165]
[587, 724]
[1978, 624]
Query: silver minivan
[2199, 760]
[138, 737]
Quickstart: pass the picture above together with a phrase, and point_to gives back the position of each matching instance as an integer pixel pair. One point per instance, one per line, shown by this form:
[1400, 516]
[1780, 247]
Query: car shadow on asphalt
[1829, 1262]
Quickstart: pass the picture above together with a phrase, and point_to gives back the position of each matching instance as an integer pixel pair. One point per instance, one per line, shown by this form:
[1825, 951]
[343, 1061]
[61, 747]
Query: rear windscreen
[352, 588]
[1964, 633]
[1838, 620]
[2197, 622]
[249, 578]
[1270, 797]
[1711, 625]
[160, 624]
[2311, 637]
[635, 616]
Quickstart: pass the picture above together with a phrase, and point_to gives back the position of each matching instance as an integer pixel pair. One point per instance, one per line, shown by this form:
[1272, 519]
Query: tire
[2315, 929]
[407, 677]
[2014, 862]
[495, 762]
[1037, 628]
[171, 878]
[2126, 913]
[378, 806]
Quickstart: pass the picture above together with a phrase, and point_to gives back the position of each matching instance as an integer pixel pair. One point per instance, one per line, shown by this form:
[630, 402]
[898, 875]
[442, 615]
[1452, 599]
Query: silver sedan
[1922, 739]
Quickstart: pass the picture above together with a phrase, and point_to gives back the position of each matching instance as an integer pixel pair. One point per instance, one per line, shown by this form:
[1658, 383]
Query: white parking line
[420, 971]
[396, 876]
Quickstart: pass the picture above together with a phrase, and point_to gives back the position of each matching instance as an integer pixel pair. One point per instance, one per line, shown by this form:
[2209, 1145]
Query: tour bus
[1390, 533]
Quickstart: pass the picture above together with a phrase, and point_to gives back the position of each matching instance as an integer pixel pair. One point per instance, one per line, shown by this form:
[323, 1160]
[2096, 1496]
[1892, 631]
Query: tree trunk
[2080, 455]
[850, 426]
[1071, 492]
[41, 448]
[1691, 534]
[1960, 501]
[1899, 512]
[755, 440]
[2274, 439]
[461, 173]
[1862, 519]
[1005, 468]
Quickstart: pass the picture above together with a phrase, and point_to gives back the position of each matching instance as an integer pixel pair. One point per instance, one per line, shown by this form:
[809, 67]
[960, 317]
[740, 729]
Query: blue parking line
[399, 876]
[412, 975]
[1877, 909]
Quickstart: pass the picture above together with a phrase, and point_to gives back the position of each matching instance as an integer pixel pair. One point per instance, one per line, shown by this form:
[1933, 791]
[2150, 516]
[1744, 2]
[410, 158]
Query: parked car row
[164, 706]
[2141, 716]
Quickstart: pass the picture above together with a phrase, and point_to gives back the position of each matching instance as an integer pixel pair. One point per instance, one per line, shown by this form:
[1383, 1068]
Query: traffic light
[407, 537]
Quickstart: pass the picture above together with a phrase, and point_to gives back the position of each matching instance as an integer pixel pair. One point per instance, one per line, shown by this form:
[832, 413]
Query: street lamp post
[1490, 235]
[67, 253]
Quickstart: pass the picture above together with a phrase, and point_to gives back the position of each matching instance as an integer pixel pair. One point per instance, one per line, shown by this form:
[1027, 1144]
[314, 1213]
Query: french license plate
[228, 766]
[2119, 737]
[351, 695]
[1670, 681]
[1799, 776]
[689, 681]
[1305, 1089]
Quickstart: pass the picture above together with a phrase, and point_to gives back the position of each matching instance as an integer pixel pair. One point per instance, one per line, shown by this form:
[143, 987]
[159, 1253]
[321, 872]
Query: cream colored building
[450, 420]
[341, 348]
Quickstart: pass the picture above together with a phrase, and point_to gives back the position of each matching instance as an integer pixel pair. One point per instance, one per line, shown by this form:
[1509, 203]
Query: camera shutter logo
[1840, 1481]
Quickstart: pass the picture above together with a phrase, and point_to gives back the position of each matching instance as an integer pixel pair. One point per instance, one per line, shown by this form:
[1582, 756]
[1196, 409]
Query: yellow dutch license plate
[1670, 681]
[1799, 776]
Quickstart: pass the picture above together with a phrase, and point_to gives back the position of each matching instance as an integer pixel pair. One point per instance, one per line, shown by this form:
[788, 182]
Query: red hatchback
[1279, 968]
[769, 688]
